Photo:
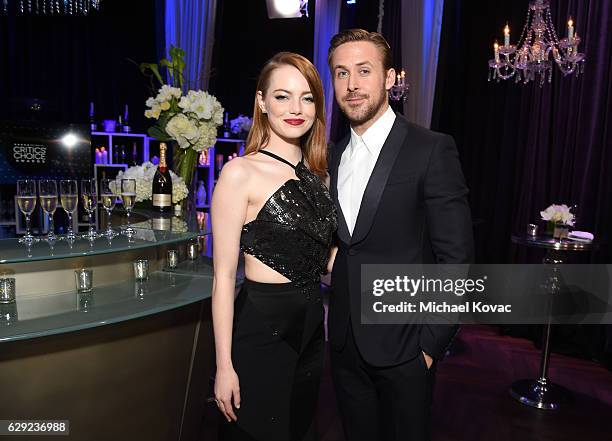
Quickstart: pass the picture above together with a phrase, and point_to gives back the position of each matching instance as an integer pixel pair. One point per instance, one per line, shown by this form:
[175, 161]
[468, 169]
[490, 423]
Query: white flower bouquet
[190, 119]
[241, 124]
[143, 175]
[558, 214]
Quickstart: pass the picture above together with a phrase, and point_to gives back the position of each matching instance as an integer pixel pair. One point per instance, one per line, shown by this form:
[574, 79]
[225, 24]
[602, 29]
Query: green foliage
[175, 66]
[157, 133]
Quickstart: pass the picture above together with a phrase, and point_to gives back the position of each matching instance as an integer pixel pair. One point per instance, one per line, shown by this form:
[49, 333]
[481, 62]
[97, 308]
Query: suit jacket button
[352, 252]
[275, 333]
[272, 419]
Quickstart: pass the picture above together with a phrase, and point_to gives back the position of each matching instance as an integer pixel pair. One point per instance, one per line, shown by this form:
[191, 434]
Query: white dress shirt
[356, 165]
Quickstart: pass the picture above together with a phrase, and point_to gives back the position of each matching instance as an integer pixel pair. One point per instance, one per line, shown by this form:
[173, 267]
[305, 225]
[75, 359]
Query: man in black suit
[401, 199]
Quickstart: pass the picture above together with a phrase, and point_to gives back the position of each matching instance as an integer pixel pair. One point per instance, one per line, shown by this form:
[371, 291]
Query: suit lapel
[378, 180]
[343, 231]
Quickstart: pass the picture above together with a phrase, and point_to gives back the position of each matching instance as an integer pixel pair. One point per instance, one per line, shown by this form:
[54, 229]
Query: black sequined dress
[278, 337]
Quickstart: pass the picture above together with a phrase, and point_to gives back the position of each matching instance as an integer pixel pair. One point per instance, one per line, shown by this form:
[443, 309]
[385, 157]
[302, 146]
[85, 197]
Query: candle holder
[7, 290]
[84, 280]
[172, 259]
[141, 289]
[532, 230]
[192, 250]
[8, 314]
[141, 269]
[85, 301]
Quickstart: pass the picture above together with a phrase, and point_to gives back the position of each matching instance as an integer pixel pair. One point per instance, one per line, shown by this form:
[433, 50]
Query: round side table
[541, 393]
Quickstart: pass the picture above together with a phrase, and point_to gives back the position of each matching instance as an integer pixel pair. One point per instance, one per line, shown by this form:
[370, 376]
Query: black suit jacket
[414, 210]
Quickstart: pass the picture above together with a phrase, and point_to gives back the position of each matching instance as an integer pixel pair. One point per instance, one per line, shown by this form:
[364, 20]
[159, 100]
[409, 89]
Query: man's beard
[366, 112]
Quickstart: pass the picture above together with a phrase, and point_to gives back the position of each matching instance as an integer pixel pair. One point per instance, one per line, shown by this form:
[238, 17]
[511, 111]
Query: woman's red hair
[314, 145]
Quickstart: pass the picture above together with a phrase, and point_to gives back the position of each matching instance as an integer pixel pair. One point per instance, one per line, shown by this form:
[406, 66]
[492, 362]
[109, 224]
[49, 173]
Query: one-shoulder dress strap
[278, 158]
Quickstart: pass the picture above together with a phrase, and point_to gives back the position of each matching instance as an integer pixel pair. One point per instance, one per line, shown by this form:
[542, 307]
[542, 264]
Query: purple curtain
[524, 147]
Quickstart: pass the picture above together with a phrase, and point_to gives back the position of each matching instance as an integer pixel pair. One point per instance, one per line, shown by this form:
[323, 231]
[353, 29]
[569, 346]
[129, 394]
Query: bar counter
[131, 360]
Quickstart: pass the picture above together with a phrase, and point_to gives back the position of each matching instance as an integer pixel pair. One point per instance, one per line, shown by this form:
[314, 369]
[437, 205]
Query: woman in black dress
[273, 206]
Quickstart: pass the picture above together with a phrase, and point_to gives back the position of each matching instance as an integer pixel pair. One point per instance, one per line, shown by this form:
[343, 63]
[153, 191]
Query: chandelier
[48, 7]
[537, 49]
[400, 89]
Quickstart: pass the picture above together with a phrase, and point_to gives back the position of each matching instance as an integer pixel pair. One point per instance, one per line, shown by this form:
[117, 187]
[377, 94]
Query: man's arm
[446, 207]
[449, 224]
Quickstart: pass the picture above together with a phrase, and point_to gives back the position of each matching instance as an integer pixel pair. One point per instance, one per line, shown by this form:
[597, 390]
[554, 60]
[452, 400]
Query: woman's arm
[334, 249]
[228, 210]
[332, 258]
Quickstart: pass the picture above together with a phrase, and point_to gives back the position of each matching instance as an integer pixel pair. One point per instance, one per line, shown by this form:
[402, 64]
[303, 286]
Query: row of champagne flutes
[48, 193]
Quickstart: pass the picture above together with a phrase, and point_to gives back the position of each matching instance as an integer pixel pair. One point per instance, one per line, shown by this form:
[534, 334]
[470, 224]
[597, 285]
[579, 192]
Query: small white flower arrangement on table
[559, 218]
[558, 214]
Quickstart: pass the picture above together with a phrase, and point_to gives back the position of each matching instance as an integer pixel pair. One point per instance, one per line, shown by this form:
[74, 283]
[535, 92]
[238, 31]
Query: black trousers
[382, 403]
[278, 353]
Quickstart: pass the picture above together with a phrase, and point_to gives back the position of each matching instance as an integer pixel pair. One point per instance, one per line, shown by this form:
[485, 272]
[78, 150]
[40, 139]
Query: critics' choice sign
[29, 153]
[38, 152]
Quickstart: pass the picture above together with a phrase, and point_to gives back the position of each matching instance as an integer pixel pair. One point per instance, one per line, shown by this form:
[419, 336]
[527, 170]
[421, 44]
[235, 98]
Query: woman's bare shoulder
[236, 171]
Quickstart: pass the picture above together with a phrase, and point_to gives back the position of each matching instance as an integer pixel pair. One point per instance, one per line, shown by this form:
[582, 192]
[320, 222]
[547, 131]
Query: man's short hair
[352, 35]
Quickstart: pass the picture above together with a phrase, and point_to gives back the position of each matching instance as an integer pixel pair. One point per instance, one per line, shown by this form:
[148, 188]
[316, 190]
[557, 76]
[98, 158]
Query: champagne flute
[128, 195]
[89, 199]
[26, 200]
[108, 195]
[47, 195]
[69, 197]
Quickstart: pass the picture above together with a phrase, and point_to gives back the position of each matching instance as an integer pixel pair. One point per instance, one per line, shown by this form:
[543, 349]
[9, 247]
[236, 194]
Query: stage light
[351, 2]
[70, 140]
[287, 8]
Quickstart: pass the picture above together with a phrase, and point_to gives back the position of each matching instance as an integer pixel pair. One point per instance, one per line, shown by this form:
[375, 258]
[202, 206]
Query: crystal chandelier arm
[48, 7]
[524, 32]
[552, 27]
[530, 34]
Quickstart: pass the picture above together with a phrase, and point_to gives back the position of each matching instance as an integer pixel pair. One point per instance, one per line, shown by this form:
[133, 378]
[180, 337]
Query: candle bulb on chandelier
[496, 51]
[570, 30]
[507, 35]
[403, 77]
[397, 83]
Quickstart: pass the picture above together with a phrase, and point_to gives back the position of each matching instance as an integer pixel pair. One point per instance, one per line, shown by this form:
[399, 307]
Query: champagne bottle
[226, 126]
[161, 221]
[162, 183]
[134, 154]
[126, 124]
[92, 120]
